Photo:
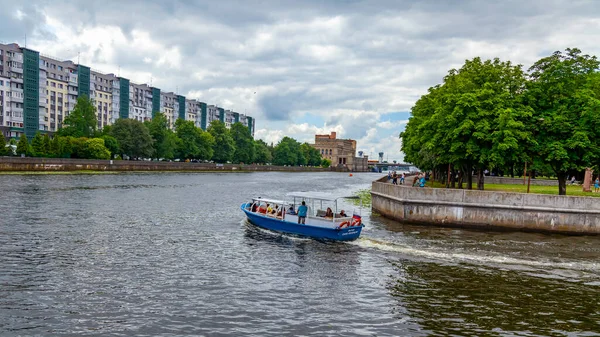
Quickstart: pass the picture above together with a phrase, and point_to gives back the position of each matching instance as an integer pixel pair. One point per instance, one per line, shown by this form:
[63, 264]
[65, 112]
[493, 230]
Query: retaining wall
[484, 209]
[61, 164]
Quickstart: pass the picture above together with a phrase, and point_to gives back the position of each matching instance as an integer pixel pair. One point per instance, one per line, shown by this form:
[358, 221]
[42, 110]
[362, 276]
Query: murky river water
[172, 254]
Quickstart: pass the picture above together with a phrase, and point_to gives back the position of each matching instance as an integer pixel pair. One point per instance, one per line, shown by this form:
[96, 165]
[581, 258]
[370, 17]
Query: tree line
[128, 138]
[492, 115]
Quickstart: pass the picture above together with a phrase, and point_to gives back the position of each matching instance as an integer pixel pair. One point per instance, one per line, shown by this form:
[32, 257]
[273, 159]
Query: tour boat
[318, 224]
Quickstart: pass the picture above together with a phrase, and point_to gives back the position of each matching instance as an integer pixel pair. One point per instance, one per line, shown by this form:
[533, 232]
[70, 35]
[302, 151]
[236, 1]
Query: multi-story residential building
[101, 92]
[140, 99]
[38, 92]
[25, 112]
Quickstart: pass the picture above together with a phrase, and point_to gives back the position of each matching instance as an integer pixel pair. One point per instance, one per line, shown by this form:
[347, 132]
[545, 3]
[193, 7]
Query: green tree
[37, 146]
[94, 149]
[224, 146]
[133, 137]
[262, 152]
[287, 152]
[23, 146]
[164, 142]
[4, 151]
[325, 163]
[245, 150]
[47, 143]
[475, 120]
[81, 122]
[563, 92]
[111, 144]
[192, 142]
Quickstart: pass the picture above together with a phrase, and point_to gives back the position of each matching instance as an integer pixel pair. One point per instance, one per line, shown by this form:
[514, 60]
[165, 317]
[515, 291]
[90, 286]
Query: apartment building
[38, 92]
[101, 92]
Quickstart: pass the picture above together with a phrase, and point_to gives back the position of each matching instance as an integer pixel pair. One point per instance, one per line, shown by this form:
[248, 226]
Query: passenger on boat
[291, 210]
[269, 209]
[302, 210]
[342, 214]
[262, 209]
[254, 208]
[329, 213]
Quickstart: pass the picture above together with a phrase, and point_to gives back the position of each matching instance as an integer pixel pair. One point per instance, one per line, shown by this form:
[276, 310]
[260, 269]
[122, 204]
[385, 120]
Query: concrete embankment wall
[59, 164]
[483, 209]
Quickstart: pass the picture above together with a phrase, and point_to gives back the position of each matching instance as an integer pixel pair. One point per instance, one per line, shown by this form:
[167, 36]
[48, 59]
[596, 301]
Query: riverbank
[572, 190]
[16, 165]
[486, 209]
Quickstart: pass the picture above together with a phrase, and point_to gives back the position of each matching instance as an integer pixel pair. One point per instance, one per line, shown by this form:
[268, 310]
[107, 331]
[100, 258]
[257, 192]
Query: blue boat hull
[344, 234]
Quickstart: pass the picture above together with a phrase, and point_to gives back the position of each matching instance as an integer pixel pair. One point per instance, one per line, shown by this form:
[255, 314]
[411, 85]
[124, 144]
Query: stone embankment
[16, 164]
[485, 209]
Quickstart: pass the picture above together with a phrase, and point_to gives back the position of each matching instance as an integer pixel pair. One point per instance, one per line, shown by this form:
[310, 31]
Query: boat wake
[480, 257]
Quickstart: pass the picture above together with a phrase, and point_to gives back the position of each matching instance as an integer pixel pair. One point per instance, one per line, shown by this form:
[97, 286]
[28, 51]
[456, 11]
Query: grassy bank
[574, 190]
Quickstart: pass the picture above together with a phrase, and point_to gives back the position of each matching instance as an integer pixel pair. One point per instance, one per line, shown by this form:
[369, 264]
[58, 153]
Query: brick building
[341, 152]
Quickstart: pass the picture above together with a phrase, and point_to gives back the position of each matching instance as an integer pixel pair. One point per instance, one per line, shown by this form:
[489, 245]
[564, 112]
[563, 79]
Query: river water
[172, 254]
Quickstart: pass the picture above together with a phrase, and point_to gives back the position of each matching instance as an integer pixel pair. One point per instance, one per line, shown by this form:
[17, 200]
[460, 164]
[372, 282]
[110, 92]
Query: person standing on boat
[302, 210]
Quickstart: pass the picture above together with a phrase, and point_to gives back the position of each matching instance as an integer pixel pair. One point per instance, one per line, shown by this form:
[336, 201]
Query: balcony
[16, 70]
[72, 91]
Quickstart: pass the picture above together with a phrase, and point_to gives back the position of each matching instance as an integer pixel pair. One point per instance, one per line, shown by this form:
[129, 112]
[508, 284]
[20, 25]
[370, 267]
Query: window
[52, 84]
[1, 82]
[60, 86]
[60, 68]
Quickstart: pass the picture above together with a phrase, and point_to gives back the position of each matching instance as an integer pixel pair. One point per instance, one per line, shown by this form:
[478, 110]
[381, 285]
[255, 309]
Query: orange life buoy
[345, 223]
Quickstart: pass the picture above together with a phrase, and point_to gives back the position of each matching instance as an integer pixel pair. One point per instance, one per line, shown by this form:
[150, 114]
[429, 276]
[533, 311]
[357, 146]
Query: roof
[271, 201]
[315, 196]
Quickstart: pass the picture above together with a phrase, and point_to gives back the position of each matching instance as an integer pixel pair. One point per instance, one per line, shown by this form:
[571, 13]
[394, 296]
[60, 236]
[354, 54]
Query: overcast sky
[301, 67]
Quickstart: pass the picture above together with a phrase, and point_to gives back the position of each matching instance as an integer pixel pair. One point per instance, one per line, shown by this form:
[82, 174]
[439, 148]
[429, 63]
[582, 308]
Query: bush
[94, 149]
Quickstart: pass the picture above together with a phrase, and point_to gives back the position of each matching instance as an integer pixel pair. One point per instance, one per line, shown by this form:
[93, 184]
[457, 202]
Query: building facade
[341, 152]
[38, 92]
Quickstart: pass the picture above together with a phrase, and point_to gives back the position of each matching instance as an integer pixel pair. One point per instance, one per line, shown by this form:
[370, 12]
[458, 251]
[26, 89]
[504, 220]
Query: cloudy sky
[301, 67]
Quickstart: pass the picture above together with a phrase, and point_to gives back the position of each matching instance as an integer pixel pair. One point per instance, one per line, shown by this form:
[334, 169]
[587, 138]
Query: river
[172, 255]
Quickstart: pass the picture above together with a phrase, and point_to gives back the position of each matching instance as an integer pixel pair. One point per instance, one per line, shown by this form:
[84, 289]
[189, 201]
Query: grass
[364, 196]
[573, 190]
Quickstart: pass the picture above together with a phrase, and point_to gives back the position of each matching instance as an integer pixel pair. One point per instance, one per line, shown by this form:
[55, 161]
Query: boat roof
[314, 196]
[271, 201]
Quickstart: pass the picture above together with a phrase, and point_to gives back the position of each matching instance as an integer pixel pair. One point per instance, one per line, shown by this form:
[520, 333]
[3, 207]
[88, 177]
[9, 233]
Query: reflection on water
[172, 254]
[467, 300]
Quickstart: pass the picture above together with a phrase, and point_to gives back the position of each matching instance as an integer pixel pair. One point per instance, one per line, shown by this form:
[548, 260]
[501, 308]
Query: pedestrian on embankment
[395, 178]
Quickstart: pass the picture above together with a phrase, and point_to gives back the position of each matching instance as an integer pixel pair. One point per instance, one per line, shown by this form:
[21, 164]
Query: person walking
[597, 184]
[395, 178]
[402, 177]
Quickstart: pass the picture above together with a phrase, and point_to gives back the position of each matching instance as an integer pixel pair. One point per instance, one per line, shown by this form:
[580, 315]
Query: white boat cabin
[322, 210]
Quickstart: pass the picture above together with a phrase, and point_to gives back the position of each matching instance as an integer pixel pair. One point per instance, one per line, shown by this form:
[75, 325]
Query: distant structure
[381, 157]
[38, 92]
[360, 153]
[341, 152]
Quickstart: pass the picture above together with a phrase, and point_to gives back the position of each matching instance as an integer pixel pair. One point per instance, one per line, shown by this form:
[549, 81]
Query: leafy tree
[224, 146]
[37, 145]
[311, 155]
[245, 150]
[325, 163]
[287, 152]
[4, 151]
[81, 122]
[191, 141]
[78, 147]
[475, 120]
[164, 142]
[23, 146]
[133, 137]
[563, 92]
[47, 143]
[262, 152]
[94, 149]
[111, 144]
